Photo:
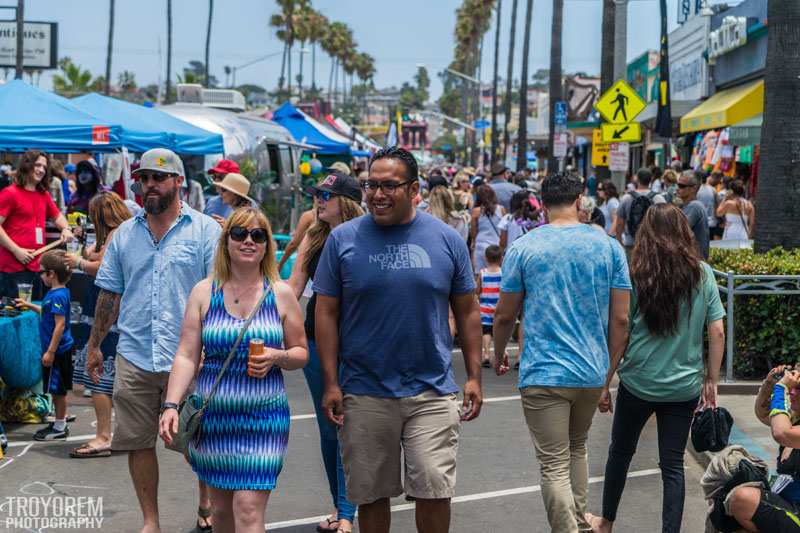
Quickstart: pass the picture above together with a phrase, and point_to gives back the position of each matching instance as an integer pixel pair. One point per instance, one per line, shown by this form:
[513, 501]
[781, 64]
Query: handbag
[711, 429]
[192, 409]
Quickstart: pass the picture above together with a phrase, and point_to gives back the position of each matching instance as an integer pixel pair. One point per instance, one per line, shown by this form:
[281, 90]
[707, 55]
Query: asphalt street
[498, 476]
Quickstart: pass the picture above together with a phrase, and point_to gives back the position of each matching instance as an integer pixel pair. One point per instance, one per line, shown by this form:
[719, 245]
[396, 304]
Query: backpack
[639, 206]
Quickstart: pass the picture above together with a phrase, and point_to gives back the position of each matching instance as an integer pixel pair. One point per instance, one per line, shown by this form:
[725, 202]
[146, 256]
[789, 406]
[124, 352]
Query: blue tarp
[307, 130]
[144, 128]
[31, 118]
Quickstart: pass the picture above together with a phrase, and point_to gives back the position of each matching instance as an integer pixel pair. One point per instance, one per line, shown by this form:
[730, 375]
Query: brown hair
[665, 268]
[26, 164]
[56, 260]
[107, 211]
[486, 199]
[318, 233]
[222, 260]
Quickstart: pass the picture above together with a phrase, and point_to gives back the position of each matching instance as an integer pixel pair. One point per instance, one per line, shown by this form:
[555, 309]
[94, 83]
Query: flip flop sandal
[328, 526]
[203, 514]
[88, 452]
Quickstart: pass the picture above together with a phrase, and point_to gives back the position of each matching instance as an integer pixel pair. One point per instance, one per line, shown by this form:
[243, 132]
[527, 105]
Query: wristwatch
[169, 405]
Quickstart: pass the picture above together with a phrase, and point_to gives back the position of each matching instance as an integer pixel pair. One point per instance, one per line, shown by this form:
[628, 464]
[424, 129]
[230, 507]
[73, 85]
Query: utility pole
[493, 148]
[620, 63]
[20, 38]
[606, 66]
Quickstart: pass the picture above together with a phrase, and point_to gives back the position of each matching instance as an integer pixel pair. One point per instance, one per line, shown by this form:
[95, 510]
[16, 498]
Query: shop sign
[560, 145]
[40, 44]
[619, 157]
[730, 35]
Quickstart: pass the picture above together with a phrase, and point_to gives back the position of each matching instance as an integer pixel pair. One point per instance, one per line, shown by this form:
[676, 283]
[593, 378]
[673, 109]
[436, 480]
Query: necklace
[236, 298]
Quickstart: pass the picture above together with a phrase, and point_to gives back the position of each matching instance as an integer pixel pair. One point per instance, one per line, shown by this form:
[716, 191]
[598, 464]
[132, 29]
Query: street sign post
[560, 116]
[599, 149]
[560, 145]
[614, 133]
[619, 157]
[620, 104]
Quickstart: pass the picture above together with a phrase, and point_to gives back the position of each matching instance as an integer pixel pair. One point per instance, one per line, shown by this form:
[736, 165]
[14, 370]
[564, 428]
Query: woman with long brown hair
[675, 298]
[442, 205]
[484, 228]
[337, 200]
[25, 206]
[107, 212]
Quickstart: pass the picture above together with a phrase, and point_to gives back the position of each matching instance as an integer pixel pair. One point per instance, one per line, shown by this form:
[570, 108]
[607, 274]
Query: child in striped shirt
[488, 289]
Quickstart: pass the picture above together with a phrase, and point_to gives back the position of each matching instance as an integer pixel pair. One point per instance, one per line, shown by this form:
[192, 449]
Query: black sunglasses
[158, 177]
[239, 234]
[683, 185]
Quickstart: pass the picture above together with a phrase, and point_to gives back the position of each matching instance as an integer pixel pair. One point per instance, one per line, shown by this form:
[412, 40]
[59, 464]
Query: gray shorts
[426, 426]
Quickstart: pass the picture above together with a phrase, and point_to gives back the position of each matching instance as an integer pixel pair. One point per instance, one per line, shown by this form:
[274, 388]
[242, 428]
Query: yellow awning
[726, 108]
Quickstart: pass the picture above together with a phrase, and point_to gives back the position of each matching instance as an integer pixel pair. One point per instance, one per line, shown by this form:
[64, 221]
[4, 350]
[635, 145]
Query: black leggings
[776, 515]
[630, 415]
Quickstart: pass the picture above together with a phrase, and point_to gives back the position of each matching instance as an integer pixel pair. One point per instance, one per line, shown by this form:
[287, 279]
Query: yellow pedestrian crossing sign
[620, 104]
[600, 150]
[618, 133]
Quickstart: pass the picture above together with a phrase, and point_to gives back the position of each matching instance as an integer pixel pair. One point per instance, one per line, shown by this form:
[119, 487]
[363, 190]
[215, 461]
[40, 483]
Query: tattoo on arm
[106, 313]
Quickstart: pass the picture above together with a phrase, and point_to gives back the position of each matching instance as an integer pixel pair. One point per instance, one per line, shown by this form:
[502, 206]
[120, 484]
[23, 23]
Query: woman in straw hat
[233, 189]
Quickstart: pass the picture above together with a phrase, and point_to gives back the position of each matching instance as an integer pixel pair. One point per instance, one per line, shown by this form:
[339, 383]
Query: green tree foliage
[766, 328]
[72, 80]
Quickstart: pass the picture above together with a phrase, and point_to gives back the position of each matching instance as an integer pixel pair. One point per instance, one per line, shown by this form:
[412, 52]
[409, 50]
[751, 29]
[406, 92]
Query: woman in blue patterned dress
[244, 432]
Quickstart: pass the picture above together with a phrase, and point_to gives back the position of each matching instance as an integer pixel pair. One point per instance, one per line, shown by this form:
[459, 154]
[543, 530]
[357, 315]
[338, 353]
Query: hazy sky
[398, 34]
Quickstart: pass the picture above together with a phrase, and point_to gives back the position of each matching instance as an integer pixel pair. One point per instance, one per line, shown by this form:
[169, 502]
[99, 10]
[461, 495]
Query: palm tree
[73, 80]
[779, 179]
[333, 43]
[110, 49]
[494, 82]
[283, 22]
[522, 131]
[318, 30]
[168, 97]
[208, 39]
[509, 76]
[556, 88]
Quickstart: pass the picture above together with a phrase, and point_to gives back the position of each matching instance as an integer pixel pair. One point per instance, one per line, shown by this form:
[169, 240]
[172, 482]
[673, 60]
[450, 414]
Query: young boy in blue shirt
[56, 339]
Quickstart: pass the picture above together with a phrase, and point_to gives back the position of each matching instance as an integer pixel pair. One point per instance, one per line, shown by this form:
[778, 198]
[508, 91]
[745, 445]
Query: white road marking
[458, 499]
[80, 438]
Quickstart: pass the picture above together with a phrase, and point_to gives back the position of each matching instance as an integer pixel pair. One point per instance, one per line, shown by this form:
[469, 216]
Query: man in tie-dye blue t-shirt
[574, 282]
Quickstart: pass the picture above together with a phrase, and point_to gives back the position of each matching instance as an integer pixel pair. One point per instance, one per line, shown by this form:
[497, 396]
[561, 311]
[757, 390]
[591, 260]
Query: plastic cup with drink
[25, 292]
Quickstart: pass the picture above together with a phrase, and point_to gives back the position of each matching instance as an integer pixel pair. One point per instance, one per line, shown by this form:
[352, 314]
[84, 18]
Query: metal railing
[754, 285]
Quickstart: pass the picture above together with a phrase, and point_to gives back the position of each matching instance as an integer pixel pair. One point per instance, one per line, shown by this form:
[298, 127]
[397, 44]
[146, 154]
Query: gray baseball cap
[161, 160]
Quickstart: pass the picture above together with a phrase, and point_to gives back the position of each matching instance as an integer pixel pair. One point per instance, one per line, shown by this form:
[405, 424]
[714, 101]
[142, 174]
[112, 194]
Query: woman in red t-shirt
[25, 205]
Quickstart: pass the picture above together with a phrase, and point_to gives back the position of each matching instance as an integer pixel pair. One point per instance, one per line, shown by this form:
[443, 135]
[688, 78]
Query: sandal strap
[204, 512]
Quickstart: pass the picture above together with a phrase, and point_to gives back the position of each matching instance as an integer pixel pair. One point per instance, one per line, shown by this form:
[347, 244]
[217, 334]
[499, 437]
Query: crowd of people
[393, 266]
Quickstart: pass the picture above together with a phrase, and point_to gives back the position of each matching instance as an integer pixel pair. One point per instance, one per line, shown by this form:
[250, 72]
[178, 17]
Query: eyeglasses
[683, 185]
[44, 271]
[323, 195]
[239, 234]
[386, 187]
[158, 177]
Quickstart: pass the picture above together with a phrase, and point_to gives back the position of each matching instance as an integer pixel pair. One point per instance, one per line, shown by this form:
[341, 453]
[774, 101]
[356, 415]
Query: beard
[159, 204]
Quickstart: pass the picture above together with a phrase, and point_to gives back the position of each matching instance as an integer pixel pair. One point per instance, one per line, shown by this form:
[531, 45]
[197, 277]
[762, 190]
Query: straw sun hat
[235, 183]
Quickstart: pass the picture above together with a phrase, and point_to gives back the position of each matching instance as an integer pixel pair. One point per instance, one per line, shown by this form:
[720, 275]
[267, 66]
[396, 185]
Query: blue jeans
[328, 438]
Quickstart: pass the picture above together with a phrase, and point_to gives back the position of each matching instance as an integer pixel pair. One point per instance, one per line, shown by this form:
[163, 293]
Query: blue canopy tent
[144, 128]
[307, 130]
[41, 120]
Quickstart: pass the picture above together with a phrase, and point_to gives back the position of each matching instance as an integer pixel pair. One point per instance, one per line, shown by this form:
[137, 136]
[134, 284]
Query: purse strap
[236, 344]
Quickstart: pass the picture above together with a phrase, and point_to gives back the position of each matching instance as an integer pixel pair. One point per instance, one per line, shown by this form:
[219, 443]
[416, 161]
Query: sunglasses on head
[240, 233]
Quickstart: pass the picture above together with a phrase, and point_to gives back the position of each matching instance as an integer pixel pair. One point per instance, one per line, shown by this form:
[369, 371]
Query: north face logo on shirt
[401, 256]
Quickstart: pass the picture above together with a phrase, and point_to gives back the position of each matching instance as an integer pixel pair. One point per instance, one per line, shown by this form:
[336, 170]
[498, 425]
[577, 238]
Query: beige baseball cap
[161, 160]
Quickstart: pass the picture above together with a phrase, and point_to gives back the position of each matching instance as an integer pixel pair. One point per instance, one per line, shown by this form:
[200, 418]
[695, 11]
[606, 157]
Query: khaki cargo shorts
[138, 396]
[425, 426]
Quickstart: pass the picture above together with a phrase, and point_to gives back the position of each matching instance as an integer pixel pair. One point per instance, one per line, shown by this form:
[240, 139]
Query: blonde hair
[587, 204]
[319, 231]
[670, 176]
[107, 211]
[222, 260]
[443, 204]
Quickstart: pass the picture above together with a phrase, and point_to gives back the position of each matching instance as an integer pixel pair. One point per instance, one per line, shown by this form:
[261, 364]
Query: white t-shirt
[509, 225]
